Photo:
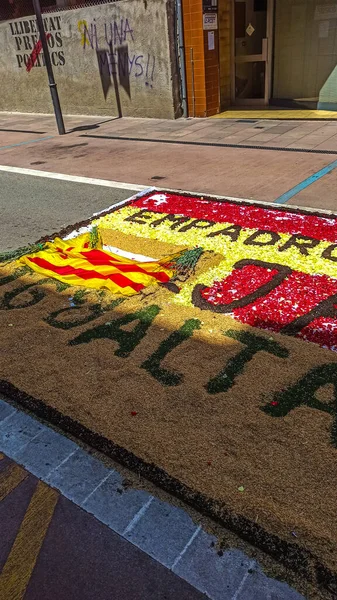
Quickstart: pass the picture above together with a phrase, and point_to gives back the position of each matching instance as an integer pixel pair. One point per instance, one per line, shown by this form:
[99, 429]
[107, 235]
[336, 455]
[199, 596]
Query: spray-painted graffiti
[35, 54]
[27, 43]
[116, 58]
[114, 33]
[124, 64]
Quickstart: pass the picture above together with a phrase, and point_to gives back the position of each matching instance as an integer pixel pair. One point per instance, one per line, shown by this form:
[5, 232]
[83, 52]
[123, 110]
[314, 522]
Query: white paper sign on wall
[211, 40]
[210, 21]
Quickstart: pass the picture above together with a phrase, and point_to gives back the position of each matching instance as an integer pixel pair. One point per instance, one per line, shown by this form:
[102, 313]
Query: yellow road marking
[10, 479]
[26, 548]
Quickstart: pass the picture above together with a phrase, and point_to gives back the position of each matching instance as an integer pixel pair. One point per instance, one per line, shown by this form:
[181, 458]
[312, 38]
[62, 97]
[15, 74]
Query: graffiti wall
[114, 59]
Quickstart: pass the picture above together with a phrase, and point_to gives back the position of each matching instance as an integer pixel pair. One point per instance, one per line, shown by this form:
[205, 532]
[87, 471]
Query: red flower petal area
[248, 216]
[322, 331]
[294, 297]
[238, 284]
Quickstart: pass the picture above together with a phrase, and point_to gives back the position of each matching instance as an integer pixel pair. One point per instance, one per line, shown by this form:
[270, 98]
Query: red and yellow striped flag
[75, 263]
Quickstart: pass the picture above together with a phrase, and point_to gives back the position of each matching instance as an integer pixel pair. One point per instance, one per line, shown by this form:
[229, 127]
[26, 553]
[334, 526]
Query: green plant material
[79, 296]
[94, 237]
[303, 393]
[36, 293]
[127, 340]
[185, 262]
[60, 286]
[6, 257]
[16, 275]
[152, 364]
[80, 314]
[253, 344]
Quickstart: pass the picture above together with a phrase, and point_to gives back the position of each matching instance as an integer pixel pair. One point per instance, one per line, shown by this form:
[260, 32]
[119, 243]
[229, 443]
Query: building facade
[260, 52]
[144, 58]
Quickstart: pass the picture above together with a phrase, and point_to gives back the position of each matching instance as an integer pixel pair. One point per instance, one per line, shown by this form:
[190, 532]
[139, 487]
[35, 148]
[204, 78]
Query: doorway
[252, 52]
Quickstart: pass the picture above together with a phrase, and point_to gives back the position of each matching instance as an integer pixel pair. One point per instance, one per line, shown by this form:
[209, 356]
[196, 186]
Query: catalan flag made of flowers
[75, 263]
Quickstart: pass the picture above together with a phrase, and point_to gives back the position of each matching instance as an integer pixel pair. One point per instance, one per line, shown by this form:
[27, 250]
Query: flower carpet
[194, 340]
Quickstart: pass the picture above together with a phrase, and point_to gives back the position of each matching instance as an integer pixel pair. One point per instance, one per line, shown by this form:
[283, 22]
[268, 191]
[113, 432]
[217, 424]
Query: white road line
[8, 416]
[144, 188]
[17, 450]
[74, 178]
[137, 517]
[54, 469]
[245, 577]
[190, 541]
[94, 490]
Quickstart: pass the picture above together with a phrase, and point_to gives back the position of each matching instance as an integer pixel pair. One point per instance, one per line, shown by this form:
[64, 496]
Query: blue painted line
[28, 142]
[305, 183]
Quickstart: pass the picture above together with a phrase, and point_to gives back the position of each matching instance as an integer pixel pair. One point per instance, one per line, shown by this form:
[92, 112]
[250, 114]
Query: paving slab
[78, 476]
[320, 194]
[256, 587]
[113, 505]
[5, 410]
[218, 576]
[16, 431]
[45, 452]
[163, 532]
[241, 172]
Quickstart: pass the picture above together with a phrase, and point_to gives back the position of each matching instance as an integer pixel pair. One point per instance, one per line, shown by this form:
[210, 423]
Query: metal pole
[52, 84]
[182, 57]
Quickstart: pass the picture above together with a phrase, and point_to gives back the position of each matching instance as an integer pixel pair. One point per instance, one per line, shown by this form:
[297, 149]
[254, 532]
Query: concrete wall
[110, 59]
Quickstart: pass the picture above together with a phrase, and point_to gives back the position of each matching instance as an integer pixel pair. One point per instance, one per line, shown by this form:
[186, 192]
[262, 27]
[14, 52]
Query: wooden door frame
[269, 58]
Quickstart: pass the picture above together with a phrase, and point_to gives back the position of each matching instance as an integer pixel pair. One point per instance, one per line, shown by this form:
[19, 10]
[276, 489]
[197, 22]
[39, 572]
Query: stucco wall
[108, 59]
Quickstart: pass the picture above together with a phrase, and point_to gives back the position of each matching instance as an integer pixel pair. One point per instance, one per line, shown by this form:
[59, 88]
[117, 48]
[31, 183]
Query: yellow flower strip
[222, 244]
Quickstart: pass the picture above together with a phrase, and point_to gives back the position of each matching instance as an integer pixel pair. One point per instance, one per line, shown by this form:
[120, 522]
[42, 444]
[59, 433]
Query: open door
[252, 51]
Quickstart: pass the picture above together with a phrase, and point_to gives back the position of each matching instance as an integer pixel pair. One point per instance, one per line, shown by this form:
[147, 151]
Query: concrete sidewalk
[286, 162]
[317, 136]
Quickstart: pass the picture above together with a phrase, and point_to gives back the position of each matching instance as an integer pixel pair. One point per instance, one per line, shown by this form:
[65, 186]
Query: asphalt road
[52, 549]
[31, 207]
